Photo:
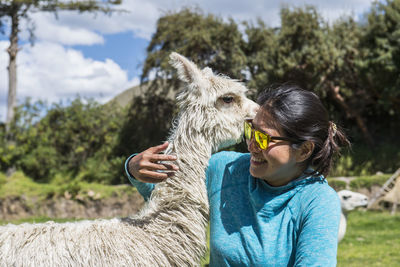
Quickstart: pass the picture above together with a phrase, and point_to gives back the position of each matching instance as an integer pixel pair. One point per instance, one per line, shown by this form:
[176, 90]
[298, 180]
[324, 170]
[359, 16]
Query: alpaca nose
[252, 108]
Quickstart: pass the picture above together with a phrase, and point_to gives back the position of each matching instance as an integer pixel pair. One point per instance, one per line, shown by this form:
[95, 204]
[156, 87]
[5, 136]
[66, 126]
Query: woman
[272, 206]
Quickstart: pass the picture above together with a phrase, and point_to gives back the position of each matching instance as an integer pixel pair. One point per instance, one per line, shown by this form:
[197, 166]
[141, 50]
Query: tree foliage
[66, 140]
[206, 39]
[381, 48]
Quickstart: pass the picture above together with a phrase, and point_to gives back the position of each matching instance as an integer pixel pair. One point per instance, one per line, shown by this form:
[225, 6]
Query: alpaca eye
[227, 99]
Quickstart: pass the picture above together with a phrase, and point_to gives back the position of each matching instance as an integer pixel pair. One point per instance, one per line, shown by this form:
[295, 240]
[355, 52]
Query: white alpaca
[349, 201]
[170, 230]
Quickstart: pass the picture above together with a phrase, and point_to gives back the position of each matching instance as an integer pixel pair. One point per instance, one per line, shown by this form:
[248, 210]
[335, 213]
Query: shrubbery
[76, 140]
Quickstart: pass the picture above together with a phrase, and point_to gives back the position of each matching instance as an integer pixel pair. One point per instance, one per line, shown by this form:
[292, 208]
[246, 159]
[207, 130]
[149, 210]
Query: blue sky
[101, 56]
[124, 48]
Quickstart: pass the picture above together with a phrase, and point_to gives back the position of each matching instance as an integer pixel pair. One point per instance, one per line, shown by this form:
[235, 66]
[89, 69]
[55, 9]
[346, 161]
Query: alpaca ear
[187, 70]
[207, 71]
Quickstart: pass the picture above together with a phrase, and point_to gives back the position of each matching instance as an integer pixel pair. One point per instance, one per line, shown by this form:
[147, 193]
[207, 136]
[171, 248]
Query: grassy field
[372, 239]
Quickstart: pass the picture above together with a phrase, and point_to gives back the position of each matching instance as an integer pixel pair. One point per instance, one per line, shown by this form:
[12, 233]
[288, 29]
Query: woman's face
[278, 164]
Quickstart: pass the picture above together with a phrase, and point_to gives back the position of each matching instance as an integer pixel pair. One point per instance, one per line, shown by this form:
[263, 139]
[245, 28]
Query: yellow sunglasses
[262, 139]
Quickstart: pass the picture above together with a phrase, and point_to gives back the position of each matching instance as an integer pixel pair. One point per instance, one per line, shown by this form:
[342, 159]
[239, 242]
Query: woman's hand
[145, 166]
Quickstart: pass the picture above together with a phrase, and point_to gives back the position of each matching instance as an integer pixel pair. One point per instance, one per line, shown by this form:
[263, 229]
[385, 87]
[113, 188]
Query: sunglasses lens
[247, 130]
[261, 139]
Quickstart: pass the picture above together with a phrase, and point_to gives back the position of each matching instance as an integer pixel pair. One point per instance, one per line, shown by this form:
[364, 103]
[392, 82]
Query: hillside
[125, 98]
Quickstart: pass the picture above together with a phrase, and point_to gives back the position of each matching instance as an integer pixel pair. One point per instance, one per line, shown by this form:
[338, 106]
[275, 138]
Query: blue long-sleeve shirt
[255, 224]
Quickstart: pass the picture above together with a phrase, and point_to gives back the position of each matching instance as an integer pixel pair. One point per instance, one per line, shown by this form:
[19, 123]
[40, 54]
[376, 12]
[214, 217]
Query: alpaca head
[350, 200]
[215, 106]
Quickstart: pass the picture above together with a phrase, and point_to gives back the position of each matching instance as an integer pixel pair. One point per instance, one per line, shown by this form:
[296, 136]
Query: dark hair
[300, 114]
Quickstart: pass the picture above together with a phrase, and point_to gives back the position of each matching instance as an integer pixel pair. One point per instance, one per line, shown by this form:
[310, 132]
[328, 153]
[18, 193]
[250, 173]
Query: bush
[41, 163]
[104, 171]
[3, 179]
[337, 184]
[363, 161]
[368, 181]
[63, 140]
[73, 188]
[21, 185]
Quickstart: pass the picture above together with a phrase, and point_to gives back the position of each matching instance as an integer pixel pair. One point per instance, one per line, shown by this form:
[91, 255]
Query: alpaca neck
[192, 147]
[187, 186]
[180, 202]
[193, 155]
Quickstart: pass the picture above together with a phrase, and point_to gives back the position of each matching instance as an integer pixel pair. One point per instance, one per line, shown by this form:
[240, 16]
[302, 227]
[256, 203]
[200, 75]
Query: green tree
[18, 10]
[261, 53]
[342, 81]
[68, 139]
[206, 39]
[294, 52]
[380, 70]
[307, 51]
[78, 131]
[25, 135]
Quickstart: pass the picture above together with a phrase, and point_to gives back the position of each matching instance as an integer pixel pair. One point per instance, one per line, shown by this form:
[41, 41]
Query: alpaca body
[152, 238]
[342, 226]
[349, 201]
[170, 229]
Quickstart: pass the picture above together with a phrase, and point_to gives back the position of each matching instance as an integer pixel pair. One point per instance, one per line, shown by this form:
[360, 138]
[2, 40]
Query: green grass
[372, 239]
[20, 185]
[206, 258]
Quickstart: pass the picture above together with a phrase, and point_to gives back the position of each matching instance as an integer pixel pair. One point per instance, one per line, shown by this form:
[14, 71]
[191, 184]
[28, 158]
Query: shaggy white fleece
[349, 200]
[170, 229]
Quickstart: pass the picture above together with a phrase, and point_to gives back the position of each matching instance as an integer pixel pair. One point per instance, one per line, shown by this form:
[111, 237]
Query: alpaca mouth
[364, 205]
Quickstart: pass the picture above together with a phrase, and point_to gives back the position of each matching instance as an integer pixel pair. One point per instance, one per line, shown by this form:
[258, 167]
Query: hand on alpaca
[146, 166]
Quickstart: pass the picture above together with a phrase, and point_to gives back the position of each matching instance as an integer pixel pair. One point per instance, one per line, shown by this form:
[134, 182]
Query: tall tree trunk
[12, 69]
[12, 78]
[351, 113]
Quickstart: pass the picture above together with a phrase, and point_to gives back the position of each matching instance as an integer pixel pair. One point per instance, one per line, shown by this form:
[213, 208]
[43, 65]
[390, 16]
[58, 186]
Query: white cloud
[141, 16]
[50, 29]
[73, 28]
[51, 72]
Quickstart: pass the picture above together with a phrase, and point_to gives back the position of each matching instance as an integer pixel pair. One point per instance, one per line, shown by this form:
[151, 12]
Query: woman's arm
[143, 169]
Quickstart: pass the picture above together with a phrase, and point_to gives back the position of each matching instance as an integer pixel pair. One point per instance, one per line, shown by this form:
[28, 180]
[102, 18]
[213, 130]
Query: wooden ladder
[386, 187]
